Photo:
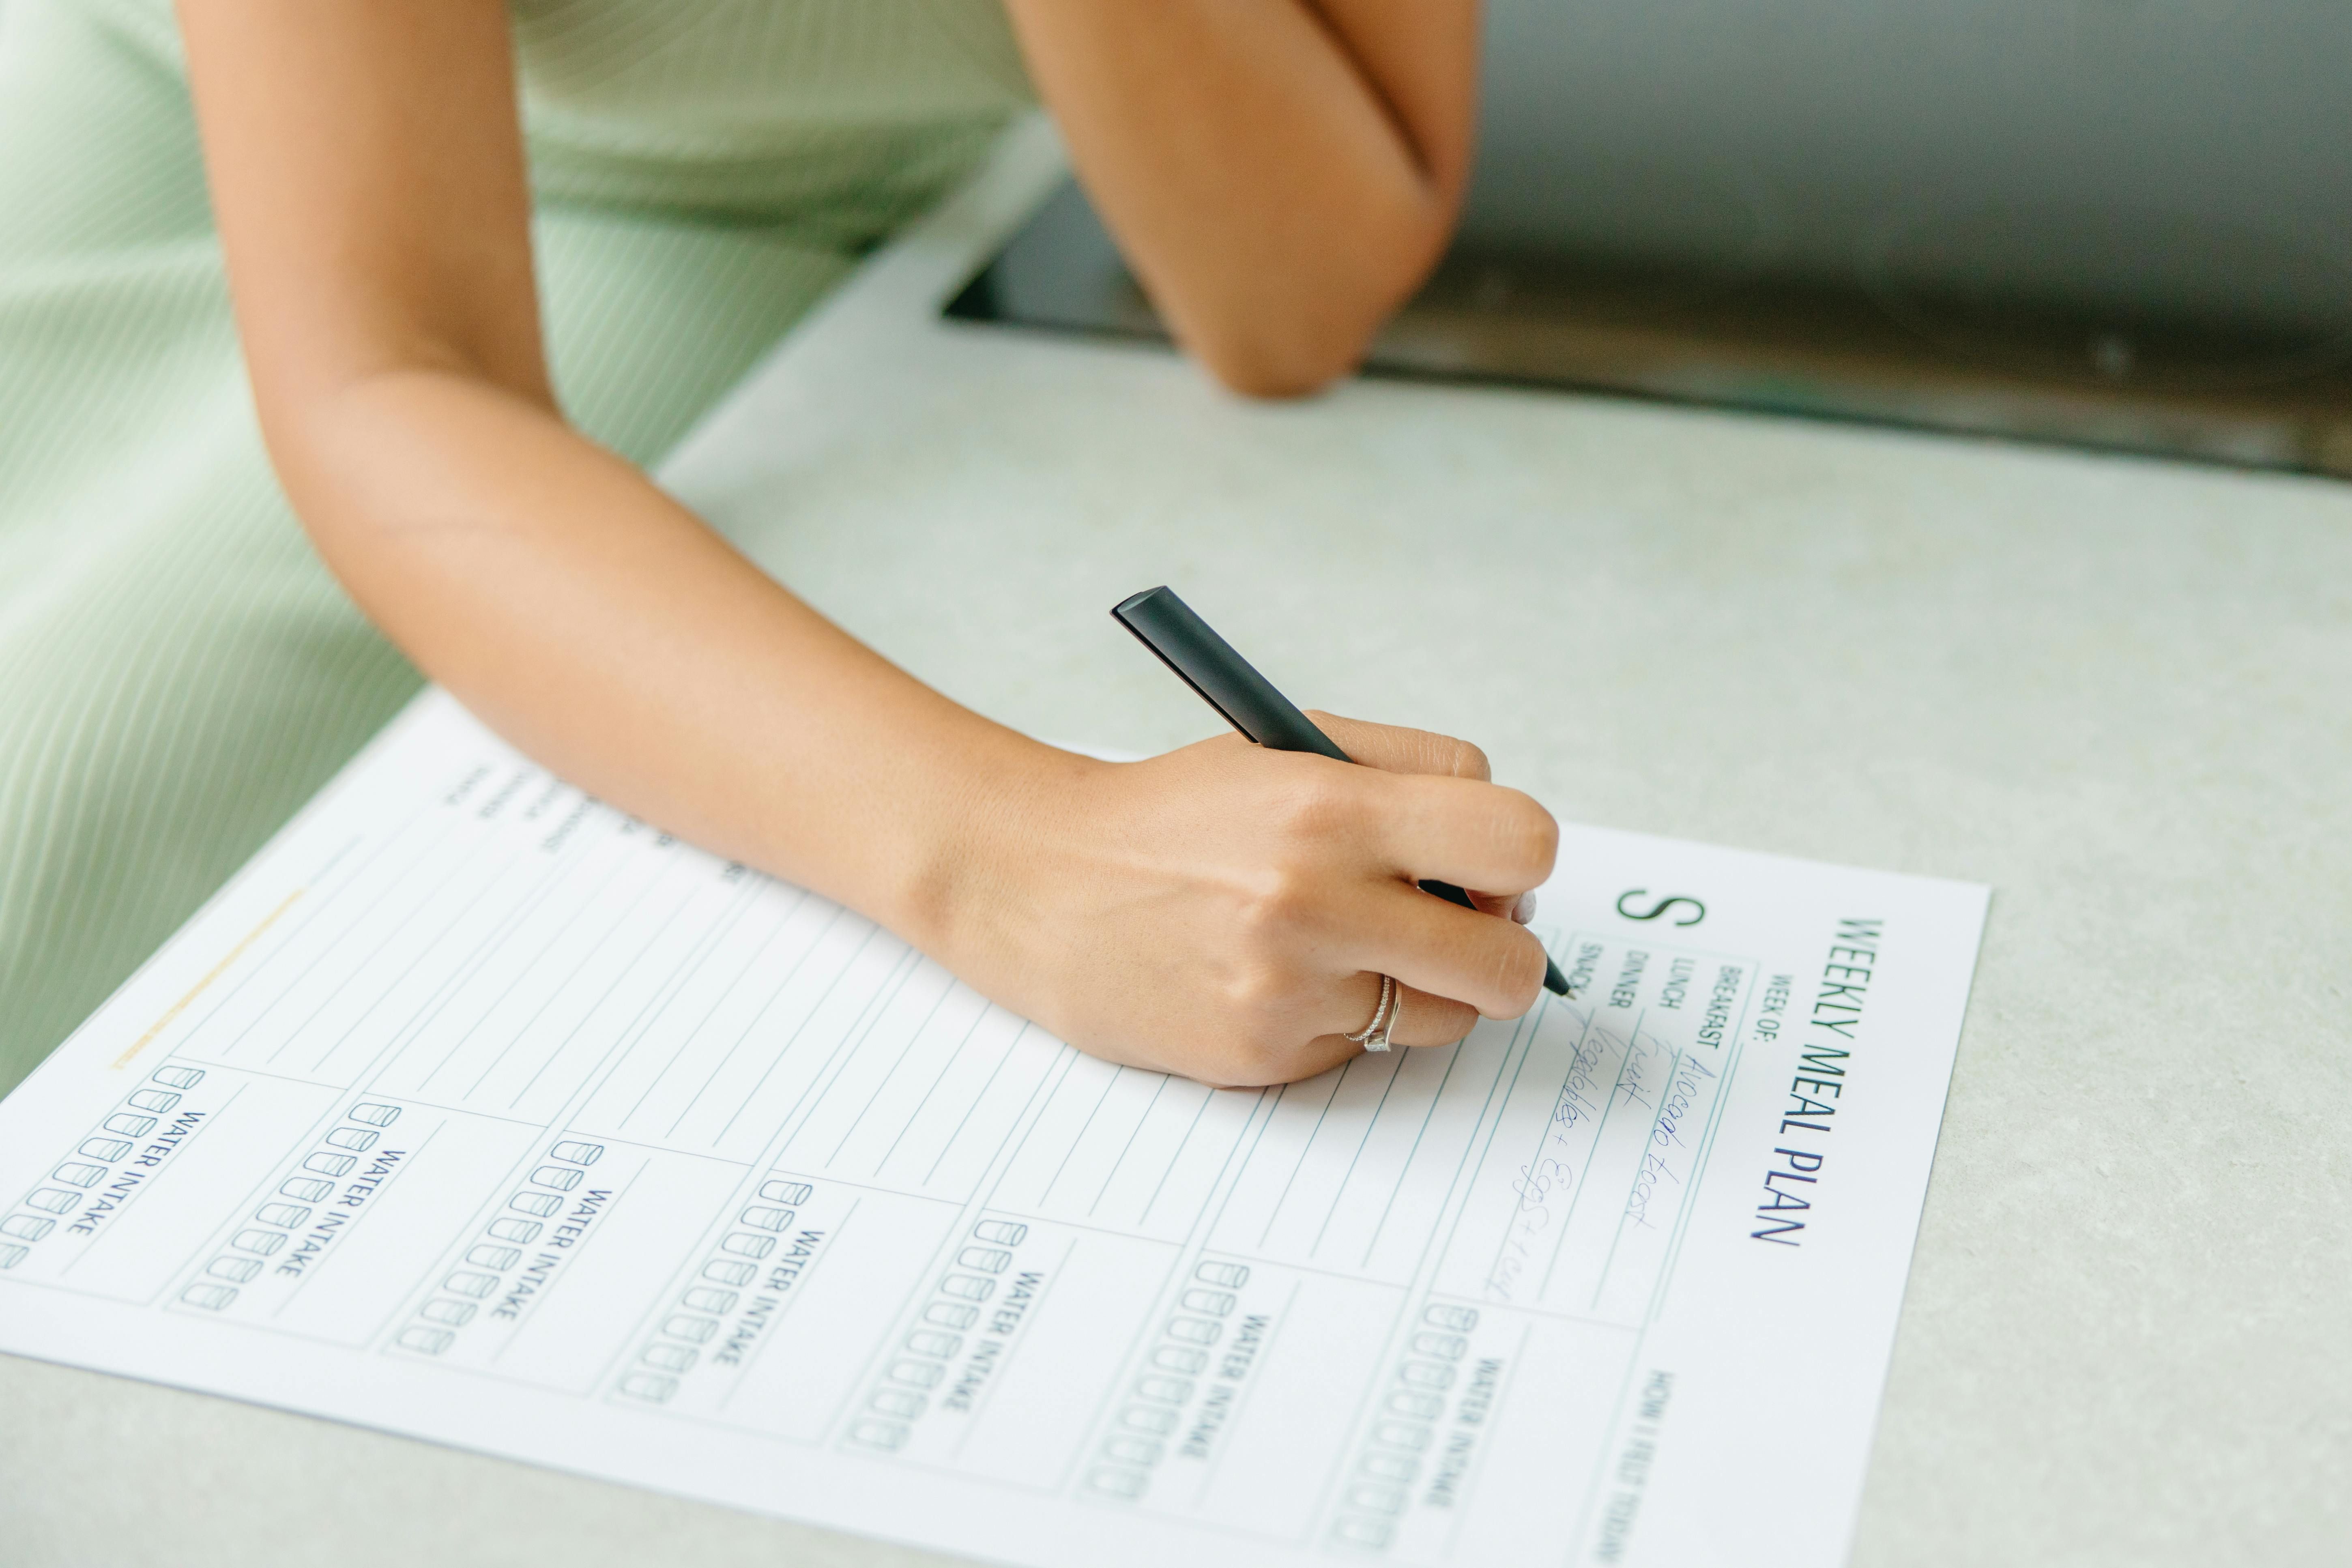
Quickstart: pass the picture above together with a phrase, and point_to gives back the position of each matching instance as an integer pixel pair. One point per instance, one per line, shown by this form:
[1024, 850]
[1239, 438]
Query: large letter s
[1698, 911]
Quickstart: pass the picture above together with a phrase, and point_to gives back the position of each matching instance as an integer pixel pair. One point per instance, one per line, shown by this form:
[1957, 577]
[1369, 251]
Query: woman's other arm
[1282, 174]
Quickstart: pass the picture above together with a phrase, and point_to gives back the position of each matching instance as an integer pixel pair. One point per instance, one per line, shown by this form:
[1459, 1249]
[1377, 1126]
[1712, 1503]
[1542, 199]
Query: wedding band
[1374, 1035]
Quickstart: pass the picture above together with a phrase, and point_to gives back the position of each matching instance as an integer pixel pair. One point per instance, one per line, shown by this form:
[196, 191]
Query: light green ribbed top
[178, 672]
[759, 109]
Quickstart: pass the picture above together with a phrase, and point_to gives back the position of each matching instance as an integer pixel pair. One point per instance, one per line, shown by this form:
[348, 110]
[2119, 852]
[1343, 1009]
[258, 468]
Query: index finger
[1393, 748]
[1473, 835]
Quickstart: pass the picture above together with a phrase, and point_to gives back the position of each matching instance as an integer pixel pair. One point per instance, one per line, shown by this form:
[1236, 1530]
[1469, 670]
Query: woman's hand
[1222, 912]
[1226, 912]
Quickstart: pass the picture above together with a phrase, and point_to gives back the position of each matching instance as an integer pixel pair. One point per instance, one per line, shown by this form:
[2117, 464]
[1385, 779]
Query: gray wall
[2186, 153]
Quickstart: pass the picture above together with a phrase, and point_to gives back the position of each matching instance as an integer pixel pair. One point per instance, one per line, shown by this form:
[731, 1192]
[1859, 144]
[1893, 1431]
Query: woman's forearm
[616, 638]
[1280, 173]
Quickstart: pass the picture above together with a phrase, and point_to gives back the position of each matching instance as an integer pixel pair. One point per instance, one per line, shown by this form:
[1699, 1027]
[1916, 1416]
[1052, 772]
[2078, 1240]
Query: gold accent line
[198, 988]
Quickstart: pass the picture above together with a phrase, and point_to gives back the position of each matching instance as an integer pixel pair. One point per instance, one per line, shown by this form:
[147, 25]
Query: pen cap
[1225, 680]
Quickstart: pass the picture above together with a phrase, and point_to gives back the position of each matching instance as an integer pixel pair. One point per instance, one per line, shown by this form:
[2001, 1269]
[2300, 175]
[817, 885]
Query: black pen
[1229, 684]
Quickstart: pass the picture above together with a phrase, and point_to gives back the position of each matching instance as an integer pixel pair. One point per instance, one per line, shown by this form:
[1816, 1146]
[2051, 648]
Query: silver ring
[1378, 1040]
[1374, 1035]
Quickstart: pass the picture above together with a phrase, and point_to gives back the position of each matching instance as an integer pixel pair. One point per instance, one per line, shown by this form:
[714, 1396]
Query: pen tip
[1554, 980]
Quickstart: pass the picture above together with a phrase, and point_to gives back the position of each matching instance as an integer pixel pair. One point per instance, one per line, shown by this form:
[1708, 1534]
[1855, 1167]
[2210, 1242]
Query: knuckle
[1275, 907]
[1469, 762]
[1522, 973]
[1515, 974]
[1256, 992]
[1530, 833]
[1316, 807]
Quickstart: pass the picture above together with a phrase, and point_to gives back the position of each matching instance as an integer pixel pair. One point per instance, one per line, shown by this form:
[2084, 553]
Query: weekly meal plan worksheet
[477, 1110]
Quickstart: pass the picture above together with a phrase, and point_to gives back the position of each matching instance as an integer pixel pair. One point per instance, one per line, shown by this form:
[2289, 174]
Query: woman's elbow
[1295, 341]
[1272, 371]
[1279, 359]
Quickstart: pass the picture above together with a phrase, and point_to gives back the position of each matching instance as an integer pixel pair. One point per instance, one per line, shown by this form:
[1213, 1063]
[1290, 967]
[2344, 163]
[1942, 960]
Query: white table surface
[2115, 688]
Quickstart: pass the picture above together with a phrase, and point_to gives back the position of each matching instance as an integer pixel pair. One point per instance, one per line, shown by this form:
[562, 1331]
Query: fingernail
[1525, 910]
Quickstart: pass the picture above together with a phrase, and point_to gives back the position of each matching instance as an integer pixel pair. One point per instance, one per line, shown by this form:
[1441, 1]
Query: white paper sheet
[475, 1110]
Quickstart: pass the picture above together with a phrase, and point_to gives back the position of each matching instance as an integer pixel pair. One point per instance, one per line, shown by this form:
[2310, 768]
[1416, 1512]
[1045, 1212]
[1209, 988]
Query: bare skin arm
[1219, 911]
[1282, 174]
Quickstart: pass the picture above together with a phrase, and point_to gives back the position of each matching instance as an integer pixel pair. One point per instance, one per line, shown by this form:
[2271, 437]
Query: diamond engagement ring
[1374, 1035]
